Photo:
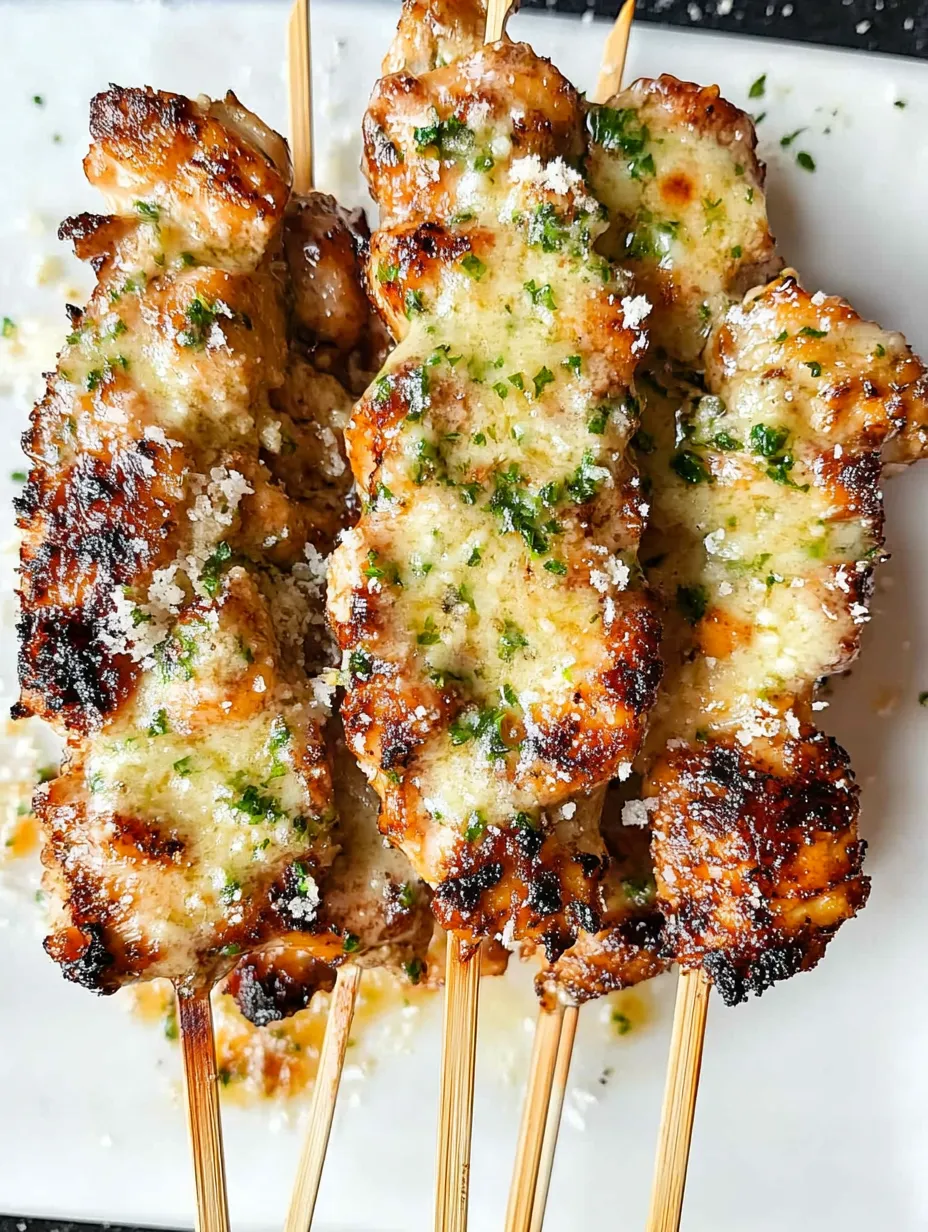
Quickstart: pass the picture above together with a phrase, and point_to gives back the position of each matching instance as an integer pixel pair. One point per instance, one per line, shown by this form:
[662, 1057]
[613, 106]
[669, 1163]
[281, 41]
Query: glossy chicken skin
[501, 657]
[764, 426]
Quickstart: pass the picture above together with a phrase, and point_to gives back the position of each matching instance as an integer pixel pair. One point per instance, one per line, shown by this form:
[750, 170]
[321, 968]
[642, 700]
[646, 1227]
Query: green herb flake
[791, 137]
[555, 566]
[805, 160]
[767, 440]
[473, 266]
[158, 726]
[758, 87]
[598, 421]
[147, 210]
[690, 467]
[692, 603]
[412, 303]
[7, 327]
[511, 640]
[351, 943]
[542, 378]
[543, 295]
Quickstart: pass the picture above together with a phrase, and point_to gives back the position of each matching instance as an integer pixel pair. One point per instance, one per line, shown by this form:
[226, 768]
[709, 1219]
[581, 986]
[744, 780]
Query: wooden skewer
[614, 54]
[534, 1117]
[301, 96]
[325, 1097]
[201, 1094]
[555, 1108]
[456, 1099]
[497, 12]
[673, 1143]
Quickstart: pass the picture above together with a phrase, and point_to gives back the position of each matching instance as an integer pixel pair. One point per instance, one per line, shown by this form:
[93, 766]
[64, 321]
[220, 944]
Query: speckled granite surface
[897, 26]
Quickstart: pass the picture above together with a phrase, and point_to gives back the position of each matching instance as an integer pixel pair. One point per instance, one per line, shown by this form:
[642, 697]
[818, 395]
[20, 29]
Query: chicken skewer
[485, 744]
[661, 146]
[147, 620]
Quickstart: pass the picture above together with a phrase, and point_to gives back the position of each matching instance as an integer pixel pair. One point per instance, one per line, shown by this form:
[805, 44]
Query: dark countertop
[896, 26]
[899, 27]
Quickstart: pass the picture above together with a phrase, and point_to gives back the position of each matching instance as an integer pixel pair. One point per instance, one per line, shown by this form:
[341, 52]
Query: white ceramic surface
[812, 1107]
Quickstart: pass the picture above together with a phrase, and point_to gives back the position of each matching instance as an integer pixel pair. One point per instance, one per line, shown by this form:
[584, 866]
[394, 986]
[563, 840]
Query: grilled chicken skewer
[171, 625]
[500, 657]
[753, 811]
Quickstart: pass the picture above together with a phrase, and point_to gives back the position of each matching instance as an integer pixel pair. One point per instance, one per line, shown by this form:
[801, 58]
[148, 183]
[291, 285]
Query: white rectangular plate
[812, 1107]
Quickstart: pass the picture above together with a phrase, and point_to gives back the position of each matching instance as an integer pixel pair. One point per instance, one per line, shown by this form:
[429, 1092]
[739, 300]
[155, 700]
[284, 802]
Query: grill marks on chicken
[169, 615]
[501, 656]
[763, 471]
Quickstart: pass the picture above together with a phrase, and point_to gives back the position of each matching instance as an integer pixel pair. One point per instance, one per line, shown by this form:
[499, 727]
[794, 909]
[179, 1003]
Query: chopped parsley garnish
[574, 363]
[621, 1022]
[387, 272]
[7, 327]
[808, 332]
[476, 826]
[556, 566]
[598, 420]
[147, 210]
[726, 442]
[280, 736]
[184, 766]
[18, 476]
[758, 87]
[360, 665]
[767, 440]
[736, 251]
[542, 295]
[484, 162]
[692, 603]
[805, 160]
[201, 317]
[211, 573]
[450, 138]
[228, 894]
[158, 725]
[351, 943]
[407, 895]
[690, 467]
[484, 727]
[474, 558]
[257, 805]
[814, 367]
[429, 635]
[414, 969]
[621, 129]
[543, 377]
[511, 640]
[586, 480]
[381, 571]
[412, 303]
[473, 266]
[791, 137]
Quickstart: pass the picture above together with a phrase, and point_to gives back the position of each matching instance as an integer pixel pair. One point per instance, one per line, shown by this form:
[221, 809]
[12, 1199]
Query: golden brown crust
[757, 856]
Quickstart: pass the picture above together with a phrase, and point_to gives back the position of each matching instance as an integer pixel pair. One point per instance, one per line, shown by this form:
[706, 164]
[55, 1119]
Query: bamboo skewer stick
[201, 1095]
[301, 96]
[615, 52]
[456, 1099]
[554, 1040]
[534, 1117]
[553, 1120]
[676, 1131]
[325, 1097]
[497, 12]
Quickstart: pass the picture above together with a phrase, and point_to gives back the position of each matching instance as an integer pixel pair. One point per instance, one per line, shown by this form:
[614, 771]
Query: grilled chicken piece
[163, 626]
[372, 909]
[629, 946]
[763, 471]
[501, 656]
